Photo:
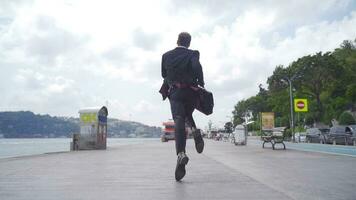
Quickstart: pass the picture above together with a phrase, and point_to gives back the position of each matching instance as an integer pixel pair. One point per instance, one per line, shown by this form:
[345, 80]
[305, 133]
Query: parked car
[351, 130]
[300, 136]
[314, 135]
[337, 135]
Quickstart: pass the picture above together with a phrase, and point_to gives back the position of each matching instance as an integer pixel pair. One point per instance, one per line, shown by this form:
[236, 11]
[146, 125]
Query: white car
[300, 136]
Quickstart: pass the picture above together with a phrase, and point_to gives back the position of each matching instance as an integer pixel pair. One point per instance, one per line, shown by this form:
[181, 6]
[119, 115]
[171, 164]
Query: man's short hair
[184, 39]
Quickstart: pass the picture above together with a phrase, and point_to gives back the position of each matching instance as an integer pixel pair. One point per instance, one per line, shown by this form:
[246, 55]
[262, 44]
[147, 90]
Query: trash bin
[93, 129]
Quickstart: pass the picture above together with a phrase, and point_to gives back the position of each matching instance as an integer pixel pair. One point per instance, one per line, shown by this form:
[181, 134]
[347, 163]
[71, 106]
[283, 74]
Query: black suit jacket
[183, 56]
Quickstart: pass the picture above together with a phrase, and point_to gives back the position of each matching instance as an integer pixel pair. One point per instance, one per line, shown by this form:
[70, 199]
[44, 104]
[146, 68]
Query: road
[146, 171]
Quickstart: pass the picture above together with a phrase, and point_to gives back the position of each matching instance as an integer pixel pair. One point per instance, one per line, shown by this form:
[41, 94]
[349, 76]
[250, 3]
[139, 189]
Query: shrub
[346, 119]
[288, 133]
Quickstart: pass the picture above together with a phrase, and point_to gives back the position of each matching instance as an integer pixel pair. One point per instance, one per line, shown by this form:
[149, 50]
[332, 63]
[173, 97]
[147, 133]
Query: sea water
[25, 147]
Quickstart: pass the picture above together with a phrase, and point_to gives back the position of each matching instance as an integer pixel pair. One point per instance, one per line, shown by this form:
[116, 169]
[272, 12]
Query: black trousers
[183, 101]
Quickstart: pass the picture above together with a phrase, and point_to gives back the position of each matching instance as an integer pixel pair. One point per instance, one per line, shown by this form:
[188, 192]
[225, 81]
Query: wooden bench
[274, 136]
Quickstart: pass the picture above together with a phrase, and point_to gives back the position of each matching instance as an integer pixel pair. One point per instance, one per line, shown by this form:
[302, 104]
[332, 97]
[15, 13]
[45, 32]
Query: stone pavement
[146, 171]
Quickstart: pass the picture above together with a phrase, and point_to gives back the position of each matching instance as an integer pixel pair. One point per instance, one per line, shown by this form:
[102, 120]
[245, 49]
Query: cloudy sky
[59, 56]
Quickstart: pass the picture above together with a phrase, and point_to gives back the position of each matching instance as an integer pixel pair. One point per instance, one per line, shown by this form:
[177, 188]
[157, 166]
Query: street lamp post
[291, 104]
[291, 108]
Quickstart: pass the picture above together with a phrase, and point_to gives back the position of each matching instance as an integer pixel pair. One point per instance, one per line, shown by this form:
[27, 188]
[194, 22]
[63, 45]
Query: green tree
[347, 44]
[345, 87]
[277, 81]
[351, 92]
[346, 119]
[238, 112]
[254, 104]
[317, 74]
[228, 127]
[327, 80]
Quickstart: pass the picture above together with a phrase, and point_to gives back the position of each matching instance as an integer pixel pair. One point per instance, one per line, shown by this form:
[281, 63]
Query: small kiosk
[240, 135]
[93, 129]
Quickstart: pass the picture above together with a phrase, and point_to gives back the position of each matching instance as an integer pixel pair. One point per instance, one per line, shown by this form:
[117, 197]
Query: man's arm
[197, 68]
[163, 69]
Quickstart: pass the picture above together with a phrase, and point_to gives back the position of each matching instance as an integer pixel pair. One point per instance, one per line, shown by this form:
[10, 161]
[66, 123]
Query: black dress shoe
[182, 160]
[198, 139]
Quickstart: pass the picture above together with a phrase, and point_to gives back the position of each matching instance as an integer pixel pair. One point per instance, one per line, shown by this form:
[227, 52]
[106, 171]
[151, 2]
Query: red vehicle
[168, 131]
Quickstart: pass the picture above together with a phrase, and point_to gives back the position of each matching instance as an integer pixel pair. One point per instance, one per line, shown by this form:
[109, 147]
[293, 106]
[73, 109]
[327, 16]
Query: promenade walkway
[146, 171]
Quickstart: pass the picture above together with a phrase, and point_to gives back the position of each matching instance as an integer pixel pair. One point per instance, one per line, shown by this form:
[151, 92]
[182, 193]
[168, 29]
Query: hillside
[26, 124]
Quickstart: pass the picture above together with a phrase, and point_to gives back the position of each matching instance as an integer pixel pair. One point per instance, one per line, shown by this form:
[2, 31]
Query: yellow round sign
[300, 105]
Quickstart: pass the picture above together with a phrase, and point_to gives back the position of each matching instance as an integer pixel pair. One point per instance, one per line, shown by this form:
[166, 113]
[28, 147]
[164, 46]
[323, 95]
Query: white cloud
[56, 57]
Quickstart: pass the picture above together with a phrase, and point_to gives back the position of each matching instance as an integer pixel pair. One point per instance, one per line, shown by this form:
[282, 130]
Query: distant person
[182, 75]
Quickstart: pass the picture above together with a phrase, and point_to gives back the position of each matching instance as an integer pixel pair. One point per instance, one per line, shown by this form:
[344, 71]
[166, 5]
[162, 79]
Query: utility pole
[291, 104]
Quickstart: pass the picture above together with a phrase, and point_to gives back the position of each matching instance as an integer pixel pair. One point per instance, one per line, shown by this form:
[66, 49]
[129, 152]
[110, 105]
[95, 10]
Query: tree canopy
[327, 80]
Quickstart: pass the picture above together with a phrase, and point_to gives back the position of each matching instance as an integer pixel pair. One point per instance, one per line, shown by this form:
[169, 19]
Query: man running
[183, 73]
